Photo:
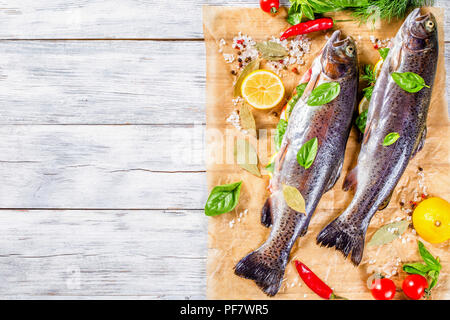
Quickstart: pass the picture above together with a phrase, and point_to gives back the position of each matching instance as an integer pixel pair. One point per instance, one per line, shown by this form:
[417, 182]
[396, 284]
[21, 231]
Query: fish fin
[345, 238]
[385, 202]
[266, 214]
[335, 175]
[421, 142]
[255, 267]
[350, 181]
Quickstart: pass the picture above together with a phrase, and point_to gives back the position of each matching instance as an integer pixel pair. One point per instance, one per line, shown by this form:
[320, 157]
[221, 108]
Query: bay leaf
[294, 198]
[271, 50]
[246, 156]
[388, 233]
[249, 68]
[247, 119]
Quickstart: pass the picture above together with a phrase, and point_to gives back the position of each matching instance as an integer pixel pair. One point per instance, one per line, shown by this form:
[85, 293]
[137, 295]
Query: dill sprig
[387, 9]
[363, 10]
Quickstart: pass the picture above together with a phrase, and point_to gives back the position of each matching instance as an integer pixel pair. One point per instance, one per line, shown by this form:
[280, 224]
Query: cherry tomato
[414, 286]
[383, 289]
[269, 6]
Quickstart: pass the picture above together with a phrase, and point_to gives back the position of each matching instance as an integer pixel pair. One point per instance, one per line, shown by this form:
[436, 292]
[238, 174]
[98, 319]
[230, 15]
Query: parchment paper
[233, 235]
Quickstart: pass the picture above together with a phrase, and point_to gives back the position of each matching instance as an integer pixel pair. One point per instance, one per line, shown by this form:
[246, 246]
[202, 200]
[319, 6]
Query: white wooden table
[100, 103]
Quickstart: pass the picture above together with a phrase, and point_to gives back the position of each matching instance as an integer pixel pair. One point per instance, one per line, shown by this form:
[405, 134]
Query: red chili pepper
[314, 282]
[307, 27]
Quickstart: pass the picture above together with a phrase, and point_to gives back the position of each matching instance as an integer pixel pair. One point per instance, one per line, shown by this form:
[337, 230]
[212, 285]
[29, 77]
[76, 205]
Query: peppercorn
[233, 72]
[420, 169]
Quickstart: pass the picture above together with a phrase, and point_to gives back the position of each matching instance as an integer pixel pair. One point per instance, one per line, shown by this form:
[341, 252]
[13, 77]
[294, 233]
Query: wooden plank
[158, 19]
[142, 167]
[92, 82]
[123, 254]
[103, 82]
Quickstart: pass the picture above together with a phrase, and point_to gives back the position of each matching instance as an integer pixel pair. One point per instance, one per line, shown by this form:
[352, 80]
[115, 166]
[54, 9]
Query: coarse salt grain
[229, 58]
[234, 120]
[236, 101]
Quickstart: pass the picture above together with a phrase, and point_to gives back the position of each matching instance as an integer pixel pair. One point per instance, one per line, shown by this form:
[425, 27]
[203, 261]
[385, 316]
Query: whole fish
[330, 124]
[391, 109]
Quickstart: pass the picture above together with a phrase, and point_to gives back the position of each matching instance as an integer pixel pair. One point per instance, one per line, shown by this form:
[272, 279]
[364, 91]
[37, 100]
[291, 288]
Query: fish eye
[429, 25]
[350, 50]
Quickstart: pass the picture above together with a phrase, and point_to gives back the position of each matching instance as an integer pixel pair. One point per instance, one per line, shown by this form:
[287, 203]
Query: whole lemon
[431, 219]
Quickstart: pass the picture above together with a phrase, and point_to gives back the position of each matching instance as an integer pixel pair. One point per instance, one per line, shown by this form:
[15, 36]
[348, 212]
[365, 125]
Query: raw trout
[391, 109]
[330, 123]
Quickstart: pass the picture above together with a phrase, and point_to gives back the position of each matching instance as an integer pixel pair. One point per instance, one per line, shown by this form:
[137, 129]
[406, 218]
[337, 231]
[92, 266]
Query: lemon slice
[363, 105]
[377, 68]
[262, 89]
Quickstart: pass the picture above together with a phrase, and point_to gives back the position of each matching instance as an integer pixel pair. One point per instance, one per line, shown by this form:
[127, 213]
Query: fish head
[339, 56]
[419, 31]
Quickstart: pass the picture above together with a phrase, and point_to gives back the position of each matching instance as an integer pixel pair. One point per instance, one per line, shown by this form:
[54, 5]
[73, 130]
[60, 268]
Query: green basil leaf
[279, 133]
[307, 153]
[409, 81]
[270, 167]
[323, 6]
[324, 93]
[368, 92]
[368, 75]
[300, 89]
[428, 257]
[298, 94]
[383, 52]
[295, 14]
[416, 268]
[390, 138]
[434, 276]
[307, 11]
[388, 233]
[361, 121]
[223, 199]
[294, 18]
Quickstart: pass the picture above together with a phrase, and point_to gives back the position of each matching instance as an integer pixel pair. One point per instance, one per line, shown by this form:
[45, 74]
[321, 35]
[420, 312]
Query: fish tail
[255, 266]
[346, 238]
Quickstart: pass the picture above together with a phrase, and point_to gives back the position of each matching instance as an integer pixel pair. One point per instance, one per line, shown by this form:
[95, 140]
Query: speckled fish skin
[331, 124]
[391, 109]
